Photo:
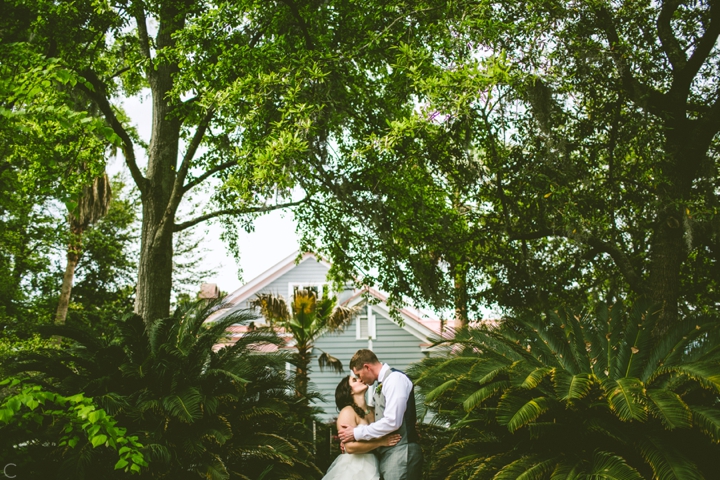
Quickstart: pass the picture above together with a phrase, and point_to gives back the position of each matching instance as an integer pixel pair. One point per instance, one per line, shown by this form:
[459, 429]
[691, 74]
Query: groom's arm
[397, 388]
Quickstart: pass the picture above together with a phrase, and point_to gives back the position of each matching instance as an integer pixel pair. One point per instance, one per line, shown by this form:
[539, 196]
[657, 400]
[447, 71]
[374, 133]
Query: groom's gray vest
[404, 460]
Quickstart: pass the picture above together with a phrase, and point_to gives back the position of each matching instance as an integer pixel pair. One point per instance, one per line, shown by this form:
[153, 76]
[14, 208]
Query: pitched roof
[422, 325]
[270, 275]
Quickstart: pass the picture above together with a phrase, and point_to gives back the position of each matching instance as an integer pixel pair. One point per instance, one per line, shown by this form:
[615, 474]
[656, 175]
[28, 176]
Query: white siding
[308, 271]
[392, 345]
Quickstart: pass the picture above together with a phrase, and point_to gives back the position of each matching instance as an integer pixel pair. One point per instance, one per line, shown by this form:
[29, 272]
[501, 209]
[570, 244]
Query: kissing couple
[379, 442]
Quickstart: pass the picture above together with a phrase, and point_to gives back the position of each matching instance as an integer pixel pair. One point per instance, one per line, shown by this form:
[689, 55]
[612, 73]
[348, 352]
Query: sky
[273, 239]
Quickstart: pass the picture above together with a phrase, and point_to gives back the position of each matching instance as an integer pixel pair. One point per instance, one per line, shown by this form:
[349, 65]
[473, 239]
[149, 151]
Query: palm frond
[572, 387]
[707, 419]
[536, 376]
[340, 317]
[326, 360]
[479, 396]
[515, 412]
[667, 463]
[609, 466]
[272, 307]
[625, 396]
[667, 405]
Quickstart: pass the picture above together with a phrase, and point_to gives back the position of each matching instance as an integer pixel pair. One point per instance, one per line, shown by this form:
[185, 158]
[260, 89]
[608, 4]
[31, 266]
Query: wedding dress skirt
[360, 466]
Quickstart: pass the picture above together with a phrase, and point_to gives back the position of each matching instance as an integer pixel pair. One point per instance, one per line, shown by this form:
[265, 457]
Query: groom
[394, 401]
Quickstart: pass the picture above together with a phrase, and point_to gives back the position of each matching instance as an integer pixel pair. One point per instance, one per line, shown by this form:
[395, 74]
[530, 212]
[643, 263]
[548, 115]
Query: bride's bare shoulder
[347, 416]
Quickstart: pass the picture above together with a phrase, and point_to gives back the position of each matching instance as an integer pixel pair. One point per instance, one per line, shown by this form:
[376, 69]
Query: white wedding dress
[358, 466]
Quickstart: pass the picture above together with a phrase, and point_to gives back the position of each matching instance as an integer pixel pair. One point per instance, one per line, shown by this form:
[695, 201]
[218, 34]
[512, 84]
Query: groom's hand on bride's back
[391, 439]
[346, 434]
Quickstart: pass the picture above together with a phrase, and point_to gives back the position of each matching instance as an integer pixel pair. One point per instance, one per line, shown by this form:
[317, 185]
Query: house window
[316, 288]
[365, 329]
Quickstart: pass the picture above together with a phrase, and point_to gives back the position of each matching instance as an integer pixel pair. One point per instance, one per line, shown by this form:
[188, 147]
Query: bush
[578, 396]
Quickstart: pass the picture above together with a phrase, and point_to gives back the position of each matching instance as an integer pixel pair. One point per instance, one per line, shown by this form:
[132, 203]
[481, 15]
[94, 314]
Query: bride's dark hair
[344, 397]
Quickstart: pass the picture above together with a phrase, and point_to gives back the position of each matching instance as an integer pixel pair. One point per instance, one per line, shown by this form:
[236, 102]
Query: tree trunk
[73, 256]
[667, 255]
[685, 151]
[302, 372]
[155, 268]
[461, 294]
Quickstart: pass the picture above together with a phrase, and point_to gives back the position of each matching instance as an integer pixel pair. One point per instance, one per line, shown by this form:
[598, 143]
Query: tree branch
[301, 23]
[670, 44]
[701, 52]
[642, 95]
[178, 186]
[97, 94]
[619, 257]
[234, 211]
[143, 36]
[208, 174]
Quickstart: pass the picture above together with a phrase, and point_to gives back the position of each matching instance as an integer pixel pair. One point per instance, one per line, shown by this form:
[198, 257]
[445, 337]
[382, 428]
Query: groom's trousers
[401, 462]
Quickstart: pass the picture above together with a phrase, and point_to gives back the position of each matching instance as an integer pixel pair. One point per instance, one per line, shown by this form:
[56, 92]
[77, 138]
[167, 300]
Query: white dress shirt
[396, 387]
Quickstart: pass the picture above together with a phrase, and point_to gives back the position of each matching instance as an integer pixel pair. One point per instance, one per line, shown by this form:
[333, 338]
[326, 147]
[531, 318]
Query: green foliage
[26, 415]
[538, 161]
[571, 395]
[309, 317]
[200, 409]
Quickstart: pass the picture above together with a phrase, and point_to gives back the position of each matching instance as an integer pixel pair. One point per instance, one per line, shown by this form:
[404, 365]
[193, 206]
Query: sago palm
[579, 396]
[201, 411]
[307, 319]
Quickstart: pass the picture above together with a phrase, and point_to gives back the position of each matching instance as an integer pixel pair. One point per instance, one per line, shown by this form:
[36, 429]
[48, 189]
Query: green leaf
[708, 420]
[98, 440]
[122, 463]
[432, 395]
[514, 412]
[667, 462]
[482, 394]
[535, 377]
[669, 408]
[626, 397]
[571, 387]
[608, 466]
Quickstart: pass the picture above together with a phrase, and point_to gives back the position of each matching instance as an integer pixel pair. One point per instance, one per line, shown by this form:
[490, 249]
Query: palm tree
[93, 204]
[578, 396]
[307, 319]
[200, 410]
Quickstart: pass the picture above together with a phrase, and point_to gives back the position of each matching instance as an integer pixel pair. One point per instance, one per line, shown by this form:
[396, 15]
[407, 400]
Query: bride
[360, 464]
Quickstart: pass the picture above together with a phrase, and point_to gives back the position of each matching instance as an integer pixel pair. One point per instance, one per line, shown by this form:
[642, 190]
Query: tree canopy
[552, 153]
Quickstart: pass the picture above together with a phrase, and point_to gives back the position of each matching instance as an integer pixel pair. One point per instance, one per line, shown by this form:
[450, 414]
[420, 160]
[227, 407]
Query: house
[397, 343]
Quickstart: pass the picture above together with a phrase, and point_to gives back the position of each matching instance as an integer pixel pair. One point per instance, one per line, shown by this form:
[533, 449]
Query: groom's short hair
[362, 357]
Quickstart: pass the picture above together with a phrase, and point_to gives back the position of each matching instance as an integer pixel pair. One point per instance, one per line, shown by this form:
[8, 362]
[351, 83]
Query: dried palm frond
[341, 317]
[272, 307]
[327, 360]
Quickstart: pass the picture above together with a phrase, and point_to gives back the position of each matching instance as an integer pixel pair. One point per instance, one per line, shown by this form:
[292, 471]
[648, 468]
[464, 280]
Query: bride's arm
[365, 446]
[347, 417]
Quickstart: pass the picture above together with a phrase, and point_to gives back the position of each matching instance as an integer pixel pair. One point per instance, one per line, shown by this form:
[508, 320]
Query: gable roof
[270, 275]
[418, 324]
[424, 326]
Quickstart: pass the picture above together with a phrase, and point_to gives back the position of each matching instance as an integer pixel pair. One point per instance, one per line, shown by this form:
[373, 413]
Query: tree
[582, 141]
[242, 94]
[590, 395]
[308, 318]
[93, 205]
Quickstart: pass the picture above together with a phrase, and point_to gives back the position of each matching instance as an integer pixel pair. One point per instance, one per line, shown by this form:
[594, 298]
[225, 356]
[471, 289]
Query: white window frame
[371, 325]
[300, 285]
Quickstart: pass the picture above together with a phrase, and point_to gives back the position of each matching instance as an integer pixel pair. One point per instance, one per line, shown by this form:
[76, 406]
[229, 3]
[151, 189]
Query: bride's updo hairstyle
[344, 397]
